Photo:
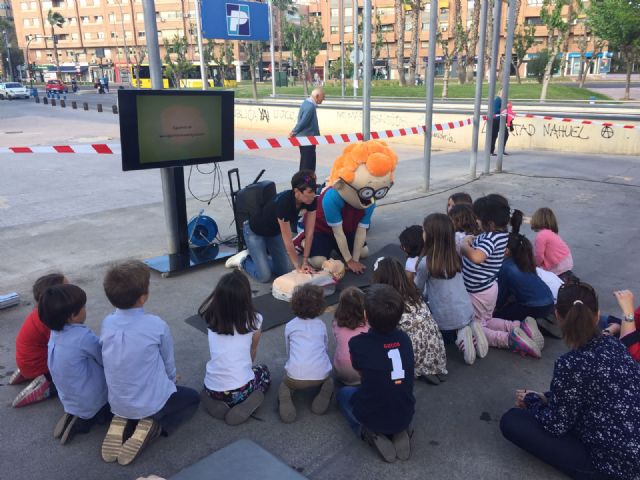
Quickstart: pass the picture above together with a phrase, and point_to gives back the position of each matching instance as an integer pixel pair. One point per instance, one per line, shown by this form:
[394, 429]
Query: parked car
[56, 86]
[12, 90]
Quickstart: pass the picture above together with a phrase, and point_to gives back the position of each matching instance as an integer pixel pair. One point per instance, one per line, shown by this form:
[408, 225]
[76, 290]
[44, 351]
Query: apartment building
[5, 9]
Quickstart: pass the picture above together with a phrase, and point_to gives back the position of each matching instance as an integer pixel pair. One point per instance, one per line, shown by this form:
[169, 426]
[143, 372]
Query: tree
[282, 7]
[379, 42]
[416, 8]
[460, 43]
[557, 29]
[474, 34]
[446, 57]
[14, 53]
[224, 60]
[253, 55]
[139, 54]
[305, 41]
[178, 67]
[400, 26]
[335, 67]
[522, 42]
[618, 22]
[55, 19]
[585, 63]
[536, 67]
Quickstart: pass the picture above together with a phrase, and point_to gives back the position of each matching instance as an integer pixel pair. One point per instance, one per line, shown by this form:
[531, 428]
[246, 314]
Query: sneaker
[382, 444]
[146, 431]
[241, 412]
[464, 343]
[479, 340]
[38, 390]
[530, 327]
[521, 343]
[235, 261]
[216, 408]
[442, 377]
[16, 378]
[321, 402]
[70, 431]
[549, 325]
[287, 408]
[62, 424]
[402, 443]
[431, 379]
[112, 443]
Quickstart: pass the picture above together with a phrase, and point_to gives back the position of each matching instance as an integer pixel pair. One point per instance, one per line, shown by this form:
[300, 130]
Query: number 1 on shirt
[397, 372]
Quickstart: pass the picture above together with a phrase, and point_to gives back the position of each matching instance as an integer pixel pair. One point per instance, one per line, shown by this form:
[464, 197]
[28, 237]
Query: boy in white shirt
[308, 364]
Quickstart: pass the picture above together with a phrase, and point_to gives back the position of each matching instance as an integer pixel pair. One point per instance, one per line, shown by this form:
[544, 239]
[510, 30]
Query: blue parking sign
[235, 20]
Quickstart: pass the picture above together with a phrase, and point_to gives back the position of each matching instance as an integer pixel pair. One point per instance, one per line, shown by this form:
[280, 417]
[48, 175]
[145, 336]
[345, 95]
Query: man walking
[308, 126]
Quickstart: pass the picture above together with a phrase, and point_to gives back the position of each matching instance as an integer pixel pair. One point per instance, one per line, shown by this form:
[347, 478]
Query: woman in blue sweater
[588, 425]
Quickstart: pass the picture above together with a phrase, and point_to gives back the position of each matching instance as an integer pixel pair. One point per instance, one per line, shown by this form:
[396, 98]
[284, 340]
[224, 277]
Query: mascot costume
[359, 177]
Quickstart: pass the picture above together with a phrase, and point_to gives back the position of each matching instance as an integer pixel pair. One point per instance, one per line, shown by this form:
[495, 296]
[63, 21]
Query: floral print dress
[428, 346]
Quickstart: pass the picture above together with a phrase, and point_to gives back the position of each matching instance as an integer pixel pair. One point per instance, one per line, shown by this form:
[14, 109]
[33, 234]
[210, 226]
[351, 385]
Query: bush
[537, 65]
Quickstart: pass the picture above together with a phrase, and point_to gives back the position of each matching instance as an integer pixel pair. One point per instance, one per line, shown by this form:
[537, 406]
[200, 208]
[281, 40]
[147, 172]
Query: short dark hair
[384, 307]
[229, 308]
[126, 282]
[544, 218]
[493, 211]
[59, 303]
[304, 179]
[307, 301]
[461, 198]
[350, 310]
[46, 281]
[411, 240]
[577, 309]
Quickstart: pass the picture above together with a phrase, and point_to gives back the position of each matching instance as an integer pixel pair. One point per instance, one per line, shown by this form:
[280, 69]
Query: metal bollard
[53, 102]
[74, 104]
[37, 99]
[115, 109]
[45, 100]
[85, 105]
[63, 104]
[100, 107]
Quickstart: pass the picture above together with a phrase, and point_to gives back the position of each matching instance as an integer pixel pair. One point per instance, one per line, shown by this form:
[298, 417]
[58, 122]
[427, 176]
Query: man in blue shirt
[307, 125]
[495, 129]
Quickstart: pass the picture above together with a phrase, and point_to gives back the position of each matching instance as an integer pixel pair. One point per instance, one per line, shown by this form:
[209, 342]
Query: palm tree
[55, 19]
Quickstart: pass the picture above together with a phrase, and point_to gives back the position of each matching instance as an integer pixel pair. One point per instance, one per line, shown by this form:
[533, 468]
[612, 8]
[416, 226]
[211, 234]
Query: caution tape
[570, 120]
[99, 148]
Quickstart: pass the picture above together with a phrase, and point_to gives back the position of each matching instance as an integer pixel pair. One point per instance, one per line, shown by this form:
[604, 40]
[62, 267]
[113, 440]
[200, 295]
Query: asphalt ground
[80, 213]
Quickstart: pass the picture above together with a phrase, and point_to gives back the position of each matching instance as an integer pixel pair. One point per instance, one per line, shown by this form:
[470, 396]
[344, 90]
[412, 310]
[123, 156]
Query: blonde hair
[544, 218]
[375, 154]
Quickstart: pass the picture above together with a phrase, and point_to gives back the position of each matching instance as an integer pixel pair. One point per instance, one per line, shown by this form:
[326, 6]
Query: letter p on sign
[238, 21]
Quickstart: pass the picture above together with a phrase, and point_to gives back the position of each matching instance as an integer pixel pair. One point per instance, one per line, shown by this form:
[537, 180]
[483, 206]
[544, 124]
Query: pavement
[80, 213]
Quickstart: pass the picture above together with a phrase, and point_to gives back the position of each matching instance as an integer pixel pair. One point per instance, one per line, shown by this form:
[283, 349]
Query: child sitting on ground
[139, 366]
[75, 361]
[380, 411]
[31, 350]
[234, 389]
[412, 244]
[348, 322]
[439, 279]
[552, 253]
[308, 363]
[628, 327]
[482, 258]
[430, 358]
[458, 198]
[464, 222]
[521, 292]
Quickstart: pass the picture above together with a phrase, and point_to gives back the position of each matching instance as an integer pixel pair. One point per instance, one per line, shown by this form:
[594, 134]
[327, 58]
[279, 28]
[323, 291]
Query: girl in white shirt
[308, 364]
[234, 387]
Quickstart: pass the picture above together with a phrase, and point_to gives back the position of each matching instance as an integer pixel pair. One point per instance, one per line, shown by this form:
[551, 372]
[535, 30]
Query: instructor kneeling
[268, 233]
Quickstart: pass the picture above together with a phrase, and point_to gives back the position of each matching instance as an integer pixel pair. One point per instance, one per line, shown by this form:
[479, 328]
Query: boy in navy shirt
[381, 409]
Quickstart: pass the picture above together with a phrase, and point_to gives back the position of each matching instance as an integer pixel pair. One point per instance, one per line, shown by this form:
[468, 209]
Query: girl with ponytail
[588, 424]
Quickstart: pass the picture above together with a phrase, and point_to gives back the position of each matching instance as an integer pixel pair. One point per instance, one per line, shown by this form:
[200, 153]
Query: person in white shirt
[234, 388]
[308, 364]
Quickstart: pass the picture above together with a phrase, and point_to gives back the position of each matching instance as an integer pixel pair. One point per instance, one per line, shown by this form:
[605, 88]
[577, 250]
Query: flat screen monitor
[173, 128]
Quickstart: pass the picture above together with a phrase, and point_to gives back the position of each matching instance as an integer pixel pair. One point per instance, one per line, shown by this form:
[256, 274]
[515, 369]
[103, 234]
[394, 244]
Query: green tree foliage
[305, 41]
[175, 58]
[55, 19]
[522, 42]
[14, 52]
[336, 65]
[557, 24]
[281, 9]
[253, 53]
[139, 53]
[536, 67]
[618, 22]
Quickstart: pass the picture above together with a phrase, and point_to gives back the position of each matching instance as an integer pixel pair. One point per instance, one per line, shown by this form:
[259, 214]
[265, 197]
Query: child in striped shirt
[482, 258]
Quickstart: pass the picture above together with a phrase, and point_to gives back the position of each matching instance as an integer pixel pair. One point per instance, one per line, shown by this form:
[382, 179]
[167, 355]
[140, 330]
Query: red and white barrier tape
[100, 148]
[571, 120]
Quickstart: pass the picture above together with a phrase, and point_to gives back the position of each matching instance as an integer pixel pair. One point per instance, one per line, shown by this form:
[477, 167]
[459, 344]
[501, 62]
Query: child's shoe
[112, 443]
[241, 412]
[39, 389]
[146, 431]
[17, 378]
[530, 327]
[216, 408]
[479, 340]
[62, 424]
[320, 403]
[431, 379]
[287, 408]
[402, 443]
[464, 343]
[76, 425]
[521, 343]
[550, 325]
[382, 444]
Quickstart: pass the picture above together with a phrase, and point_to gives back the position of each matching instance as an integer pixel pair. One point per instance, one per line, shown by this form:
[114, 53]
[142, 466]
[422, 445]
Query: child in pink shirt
[552, 253]
[349, 321]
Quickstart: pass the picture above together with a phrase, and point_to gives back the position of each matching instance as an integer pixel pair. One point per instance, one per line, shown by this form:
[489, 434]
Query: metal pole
[272, 51]
[172, 178]
[495, 48]
[341, 27]
[479, 81]
[429, 84]
[506, 71]
[356, 56]
[366, 70]
[124, 42]
[203, 67]
[6, 43]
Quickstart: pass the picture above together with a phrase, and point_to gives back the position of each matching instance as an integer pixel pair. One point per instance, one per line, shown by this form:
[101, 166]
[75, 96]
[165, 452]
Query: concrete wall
[529, 134]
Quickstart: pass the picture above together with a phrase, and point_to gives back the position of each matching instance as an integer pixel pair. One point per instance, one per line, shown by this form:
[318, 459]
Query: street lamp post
[124, 39]
[6, 43]
[31, 38]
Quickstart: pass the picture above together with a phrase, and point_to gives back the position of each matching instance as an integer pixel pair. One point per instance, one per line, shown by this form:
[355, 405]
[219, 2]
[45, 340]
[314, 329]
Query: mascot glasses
[366, 193]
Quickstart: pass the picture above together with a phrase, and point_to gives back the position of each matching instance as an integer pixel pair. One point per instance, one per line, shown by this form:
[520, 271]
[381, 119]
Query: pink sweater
[552, 253]
[342, 358]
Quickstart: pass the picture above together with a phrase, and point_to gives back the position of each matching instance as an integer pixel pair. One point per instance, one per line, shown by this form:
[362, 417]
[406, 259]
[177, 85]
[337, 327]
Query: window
[36, 22]
[385, 11]
[97, 18]
[114, 35]
[56, 3]
[535, 3]
[126, 17]
[335, 48]
[348, 12]
[348, 28]
[112, 18]
[444, 14]
[24, 6]
[387, 27]
[26, 22]
[46, 5]
[100, 35]
[33, 5]
[141, 35]
[75, 36]
[470, 6]
[533, 21]
[334, 30]
[128, 34]
[87, 35]
[139, 17]
[38, 54]
[84, 20]
[444, 27]
[335, 12]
